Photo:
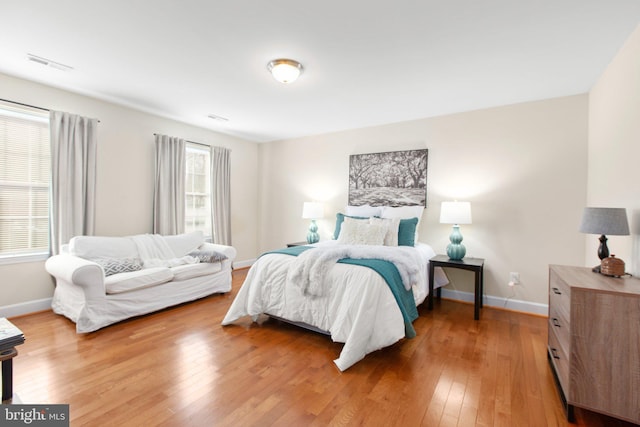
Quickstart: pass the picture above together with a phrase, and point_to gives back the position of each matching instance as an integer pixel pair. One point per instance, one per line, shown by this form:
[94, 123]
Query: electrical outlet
[514, 278]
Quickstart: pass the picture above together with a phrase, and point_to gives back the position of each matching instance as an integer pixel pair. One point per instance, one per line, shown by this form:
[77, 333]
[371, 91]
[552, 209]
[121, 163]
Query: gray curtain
[73, 177]
[221, 195]
[168, 195]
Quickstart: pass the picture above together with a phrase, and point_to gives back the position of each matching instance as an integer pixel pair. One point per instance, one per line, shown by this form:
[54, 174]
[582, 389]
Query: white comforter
[358, 310]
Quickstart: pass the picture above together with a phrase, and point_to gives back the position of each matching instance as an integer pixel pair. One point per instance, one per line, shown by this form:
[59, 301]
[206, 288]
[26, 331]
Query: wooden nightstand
[473, 264]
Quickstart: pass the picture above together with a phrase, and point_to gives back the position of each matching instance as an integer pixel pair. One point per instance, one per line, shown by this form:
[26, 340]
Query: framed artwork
[394, 178]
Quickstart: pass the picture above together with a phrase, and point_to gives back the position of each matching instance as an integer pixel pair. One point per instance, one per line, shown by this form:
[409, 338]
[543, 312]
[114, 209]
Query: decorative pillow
[208, 256]
[404, 212]
[113, 266]
[391, 226]
[407, 232]
[361, 233]
[365, 211]
[339, 220]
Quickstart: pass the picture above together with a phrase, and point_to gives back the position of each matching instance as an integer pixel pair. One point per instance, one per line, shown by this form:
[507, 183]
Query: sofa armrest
[78, 271]
[229, 251]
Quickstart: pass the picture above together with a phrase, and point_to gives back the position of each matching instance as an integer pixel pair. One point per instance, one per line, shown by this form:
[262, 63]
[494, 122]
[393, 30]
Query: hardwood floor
[179, 367]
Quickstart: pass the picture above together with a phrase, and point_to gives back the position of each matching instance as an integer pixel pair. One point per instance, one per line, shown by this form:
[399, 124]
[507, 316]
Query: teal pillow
[407, 232]
[339, 220]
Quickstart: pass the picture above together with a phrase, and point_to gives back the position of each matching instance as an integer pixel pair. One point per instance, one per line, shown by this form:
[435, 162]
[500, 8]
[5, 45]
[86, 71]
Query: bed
[317, 287]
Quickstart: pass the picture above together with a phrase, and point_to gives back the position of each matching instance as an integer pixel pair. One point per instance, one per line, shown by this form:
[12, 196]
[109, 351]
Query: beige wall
[614, 150]
[125, 177]
[522, 167]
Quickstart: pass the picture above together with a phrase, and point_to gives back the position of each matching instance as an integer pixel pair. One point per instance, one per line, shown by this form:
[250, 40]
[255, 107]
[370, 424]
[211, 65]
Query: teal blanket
[389, 273]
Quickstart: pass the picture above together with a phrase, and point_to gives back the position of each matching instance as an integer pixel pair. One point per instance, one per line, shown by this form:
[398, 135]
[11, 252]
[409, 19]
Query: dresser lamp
[603, 221]
[312, 211]
[455, 213]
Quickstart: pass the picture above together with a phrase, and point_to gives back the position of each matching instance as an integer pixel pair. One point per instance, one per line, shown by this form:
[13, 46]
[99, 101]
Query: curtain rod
[27, 105]
[191, 142]
[24, 105]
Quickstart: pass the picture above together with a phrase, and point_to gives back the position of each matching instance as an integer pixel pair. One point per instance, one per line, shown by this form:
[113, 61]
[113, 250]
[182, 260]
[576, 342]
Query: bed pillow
[404, 212]
[339, 220]
[113, 266]
[407, 232]
[391, 226]
[361, 233]
[365, 211]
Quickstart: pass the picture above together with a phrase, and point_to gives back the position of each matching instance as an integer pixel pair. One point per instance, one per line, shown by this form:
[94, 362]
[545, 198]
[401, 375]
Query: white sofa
[156, 272]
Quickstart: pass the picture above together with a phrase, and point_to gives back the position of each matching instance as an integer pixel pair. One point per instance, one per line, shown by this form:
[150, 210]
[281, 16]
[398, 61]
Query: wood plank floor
[179, 367]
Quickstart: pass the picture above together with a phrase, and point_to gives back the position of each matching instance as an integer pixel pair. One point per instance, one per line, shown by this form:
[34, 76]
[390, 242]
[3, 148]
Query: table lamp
[312, 211]
[455, 213]
[602, 221]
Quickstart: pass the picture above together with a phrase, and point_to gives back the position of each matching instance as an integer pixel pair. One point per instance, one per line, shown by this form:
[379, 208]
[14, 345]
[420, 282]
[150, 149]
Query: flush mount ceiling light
[285, 70]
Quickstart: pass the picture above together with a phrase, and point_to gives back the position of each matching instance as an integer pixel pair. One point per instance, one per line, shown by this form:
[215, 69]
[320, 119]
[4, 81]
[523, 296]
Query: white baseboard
[243, 264]
[499, 302]
[23, 308]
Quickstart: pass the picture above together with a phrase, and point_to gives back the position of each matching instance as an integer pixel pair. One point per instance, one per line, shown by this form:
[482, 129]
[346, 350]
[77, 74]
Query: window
[25, 164]
[198, 189]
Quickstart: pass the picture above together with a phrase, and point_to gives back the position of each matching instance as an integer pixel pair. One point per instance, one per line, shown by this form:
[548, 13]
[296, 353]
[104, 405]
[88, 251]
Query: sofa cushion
[208, 255]
[113, 266]
[125, 282]
[182, 244]
[189, 271]
[91, 247]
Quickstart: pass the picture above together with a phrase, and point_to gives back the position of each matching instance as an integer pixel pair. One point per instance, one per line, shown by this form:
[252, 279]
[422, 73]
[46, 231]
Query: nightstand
[290, 245]
[472, 264]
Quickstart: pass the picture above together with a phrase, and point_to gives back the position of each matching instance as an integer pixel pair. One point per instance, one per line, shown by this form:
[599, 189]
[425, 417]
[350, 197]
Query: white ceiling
[367, 62]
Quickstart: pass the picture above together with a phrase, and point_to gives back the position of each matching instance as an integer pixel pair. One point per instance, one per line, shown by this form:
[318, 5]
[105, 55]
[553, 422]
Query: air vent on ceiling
[218, 118]
[48, 62]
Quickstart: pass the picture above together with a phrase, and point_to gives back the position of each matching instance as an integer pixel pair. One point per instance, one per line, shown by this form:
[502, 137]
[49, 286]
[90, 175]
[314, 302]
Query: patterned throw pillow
[113, 266]
[208, 256]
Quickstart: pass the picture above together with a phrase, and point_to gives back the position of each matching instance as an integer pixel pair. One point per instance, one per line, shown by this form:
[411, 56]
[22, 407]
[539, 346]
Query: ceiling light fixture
[285, 70]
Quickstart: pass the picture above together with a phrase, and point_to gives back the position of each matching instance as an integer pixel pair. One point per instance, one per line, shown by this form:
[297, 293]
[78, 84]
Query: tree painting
[395, 178]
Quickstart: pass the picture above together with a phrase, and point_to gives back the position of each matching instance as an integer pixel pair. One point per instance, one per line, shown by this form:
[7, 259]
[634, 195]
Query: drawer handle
[554, 353]
[555, 322]
[556, 291]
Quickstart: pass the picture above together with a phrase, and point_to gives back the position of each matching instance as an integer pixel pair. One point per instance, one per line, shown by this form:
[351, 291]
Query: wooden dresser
[594, 341]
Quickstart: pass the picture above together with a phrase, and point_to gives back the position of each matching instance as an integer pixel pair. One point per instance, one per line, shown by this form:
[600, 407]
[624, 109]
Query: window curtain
[168, 195]
[73, 177]
[221, 195]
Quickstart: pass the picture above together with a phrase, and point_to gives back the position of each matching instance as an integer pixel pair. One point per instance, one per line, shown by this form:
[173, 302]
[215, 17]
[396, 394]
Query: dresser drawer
[561, 327]
[560, 361]
[559, 297]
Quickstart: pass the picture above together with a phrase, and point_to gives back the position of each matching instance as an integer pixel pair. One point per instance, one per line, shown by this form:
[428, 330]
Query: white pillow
[404, 212]
[182, 244]
[391, 226]
[361, 233]
[365, 211]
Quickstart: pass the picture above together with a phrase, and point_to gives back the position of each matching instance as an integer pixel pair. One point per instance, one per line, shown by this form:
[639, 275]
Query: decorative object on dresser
[594, 341]
[455, 213]
[312, 211]
[603, 221]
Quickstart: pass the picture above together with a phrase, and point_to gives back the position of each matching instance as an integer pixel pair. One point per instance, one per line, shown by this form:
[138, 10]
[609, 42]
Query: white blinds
[24, 180]
[198, 189]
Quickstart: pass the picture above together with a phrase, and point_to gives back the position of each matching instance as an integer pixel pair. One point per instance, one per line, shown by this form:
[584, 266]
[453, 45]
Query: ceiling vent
[48, 62]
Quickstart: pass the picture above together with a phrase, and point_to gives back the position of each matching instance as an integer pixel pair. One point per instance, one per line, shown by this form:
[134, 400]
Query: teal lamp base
[312, 235]
[456, 249]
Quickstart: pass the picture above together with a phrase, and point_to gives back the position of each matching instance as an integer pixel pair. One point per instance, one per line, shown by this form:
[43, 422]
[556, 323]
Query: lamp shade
[611, 221]
[455, 213]
[312, 210]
